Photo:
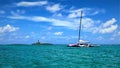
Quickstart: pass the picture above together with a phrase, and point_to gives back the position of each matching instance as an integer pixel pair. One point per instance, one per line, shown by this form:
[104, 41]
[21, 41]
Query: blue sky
[57, 21]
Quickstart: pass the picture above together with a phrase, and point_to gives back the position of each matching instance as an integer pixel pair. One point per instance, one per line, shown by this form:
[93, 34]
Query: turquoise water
[59, 56]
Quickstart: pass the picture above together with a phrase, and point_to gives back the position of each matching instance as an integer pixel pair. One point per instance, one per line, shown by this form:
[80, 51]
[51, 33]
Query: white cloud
[119, 33]
[96, 11]
[100, 38]
[73, 13]
[37, 18]
[108, 26]
[77, 12]
[88, 24]
[109, 29]
[49, 28]
[8, 28]
[26, 4]
[57, 22]
[17, 12]
[109, 22]
[112, 38]
[59, 14]
[17, 17]
[27, 36]
[43, 37]
[51, 8]
[115, 36]
[54, 22]
[2, 12]
[54, 8]
[58, 33]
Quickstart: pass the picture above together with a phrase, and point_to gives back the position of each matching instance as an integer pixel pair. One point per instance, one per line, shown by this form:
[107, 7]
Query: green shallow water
[59, 56]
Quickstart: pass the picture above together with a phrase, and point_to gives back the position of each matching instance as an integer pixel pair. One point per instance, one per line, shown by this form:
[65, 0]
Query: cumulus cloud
[54, 8]
[107, 27]
[58, 33]
[27, 4]
[109, 23]
[8, 28]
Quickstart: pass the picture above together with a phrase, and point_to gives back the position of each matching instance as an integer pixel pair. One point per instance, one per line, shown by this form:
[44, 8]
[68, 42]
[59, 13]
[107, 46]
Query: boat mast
[80, 26]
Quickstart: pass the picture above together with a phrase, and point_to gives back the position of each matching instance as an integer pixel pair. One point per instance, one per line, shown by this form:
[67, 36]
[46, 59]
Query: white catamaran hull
[80, 45]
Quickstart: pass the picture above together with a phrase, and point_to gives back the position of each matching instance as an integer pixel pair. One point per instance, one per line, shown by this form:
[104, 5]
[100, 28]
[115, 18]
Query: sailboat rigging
[80, 27]
[80, 43]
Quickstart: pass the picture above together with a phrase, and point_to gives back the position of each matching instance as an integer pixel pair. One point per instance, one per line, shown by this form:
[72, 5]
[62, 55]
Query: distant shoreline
[57, 44]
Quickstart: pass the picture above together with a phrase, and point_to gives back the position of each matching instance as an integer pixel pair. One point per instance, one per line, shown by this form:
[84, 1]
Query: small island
[39, 43]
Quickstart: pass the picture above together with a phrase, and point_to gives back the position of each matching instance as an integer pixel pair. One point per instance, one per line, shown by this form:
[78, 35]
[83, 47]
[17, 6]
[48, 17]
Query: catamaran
[80, 43]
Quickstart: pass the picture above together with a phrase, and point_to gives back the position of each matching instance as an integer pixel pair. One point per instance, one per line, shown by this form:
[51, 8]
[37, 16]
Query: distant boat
[80, 43]
[39, 43]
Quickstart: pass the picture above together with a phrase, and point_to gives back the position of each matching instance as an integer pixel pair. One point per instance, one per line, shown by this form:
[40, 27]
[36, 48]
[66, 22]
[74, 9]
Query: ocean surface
[59, 56]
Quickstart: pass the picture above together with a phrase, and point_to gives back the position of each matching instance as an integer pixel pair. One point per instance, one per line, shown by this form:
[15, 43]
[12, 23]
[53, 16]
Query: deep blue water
[59, 56]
